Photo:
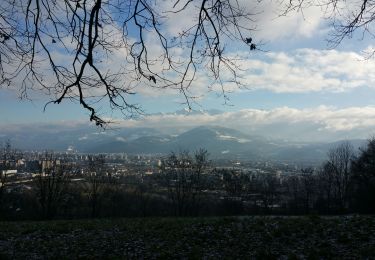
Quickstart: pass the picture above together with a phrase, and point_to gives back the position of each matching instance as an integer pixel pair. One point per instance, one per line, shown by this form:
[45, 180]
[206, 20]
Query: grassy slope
[212, 238]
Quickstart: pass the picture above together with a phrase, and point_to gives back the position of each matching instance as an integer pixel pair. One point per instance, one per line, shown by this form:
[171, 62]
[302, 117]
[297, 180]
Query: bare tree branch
[65, 48]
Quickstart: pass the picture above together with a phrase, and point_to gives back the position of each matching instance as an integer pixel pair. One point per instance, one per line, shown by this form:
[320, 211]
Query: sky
[297, 79]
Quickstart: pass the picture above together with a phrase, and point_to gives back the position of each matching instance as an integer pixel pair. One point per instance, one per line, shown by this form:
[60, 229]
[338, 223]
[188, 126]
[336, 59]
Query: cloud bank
[315, 124]
[321, 123]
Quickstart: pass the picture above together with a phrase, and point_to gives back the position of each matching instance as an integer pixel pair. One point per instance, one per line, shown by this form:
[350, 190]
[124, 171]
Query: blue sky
[299, 79]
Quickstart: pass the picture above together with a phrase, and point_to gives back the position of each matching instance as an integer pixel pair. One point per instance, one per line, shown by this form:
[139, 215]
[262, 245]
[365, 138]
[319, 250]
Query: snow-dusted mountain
[221, 142]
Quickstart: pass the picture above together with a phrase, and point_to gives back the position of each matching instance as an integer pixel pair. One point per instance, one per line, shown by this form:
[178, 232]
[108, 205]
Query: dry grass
[343, 237]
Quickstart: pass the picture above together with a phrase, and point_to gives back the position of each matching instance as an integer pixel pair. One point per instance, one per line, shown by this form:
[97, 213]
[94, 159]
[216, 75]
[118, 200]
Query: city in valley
[69, 184]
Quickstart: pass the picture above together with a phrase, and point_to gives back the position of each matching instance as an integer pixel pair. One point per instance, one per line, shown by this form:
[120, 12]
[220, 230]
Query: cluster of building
[25, 165]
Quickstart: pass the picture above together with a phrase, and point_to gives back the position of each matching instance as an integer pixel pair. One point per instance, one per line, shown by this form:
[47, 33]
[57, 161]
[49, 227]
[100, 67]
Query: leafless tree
[8, 160]
[337, 172]
[96, 180]
[363, 178]
[233, 183]
[363, 166]
[143, 198]
[300, 191]
[183, 178]
[308, 182]
[52, 183]
[5, 156]
[326, 185]
[347, 17]
[269, 186]
[90, 50]
[294, 190]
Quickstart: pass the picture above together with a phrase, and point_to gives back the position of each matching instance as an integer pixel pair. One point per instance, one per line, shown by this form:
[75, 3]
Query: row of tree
[345, 183]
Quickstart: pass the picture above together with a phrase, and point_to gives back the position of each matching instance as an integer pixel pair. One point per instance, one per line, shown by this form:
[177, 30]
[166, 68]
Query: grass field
[344, 237]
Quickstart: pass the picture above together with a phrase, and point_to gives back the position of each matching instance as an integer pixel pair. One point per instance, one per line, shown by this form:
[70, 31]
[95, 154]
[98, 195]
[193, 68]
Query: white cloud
[85, 137]
[273, 24]
[303, 70]
[121, 139]
[306, 70]
[266, 17]
[299, 71]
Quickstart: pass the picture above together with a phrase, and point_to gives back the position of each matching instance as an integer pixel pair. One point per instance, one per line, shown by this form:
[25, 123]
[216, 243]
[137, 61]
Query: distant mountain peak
[220, 141]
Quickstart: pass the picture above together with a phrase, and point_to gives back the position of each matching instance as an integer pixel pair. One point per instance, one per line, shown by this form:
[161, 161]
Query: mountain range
[221, 142]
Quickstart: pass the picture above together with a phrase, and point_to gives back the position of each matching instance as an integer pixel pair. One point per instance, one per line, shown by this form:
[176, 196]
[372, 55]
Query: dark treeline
[187, 185]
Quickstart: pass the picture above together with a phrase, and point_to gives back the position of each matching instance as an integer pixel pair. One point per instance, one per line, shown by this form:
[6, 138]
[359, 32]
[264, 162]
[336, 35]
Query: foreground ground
[344, 237]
